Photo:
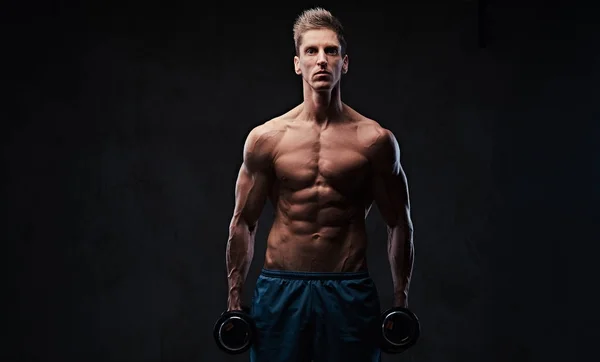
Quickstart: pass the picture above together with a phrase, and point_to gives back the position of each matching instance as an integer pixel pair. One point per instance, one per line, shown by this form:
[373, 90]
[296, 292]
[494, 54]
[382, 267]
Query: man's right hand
[234, 305]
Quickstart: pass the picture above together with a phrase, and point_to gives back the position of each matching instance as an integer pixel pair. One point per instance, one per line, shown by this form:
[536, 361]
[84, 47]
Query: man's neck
[322, 107]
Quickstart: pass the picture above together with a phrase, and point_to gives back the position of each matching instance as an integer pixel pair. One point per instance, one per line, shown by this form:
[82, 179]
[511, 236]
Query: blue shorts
[320, 317]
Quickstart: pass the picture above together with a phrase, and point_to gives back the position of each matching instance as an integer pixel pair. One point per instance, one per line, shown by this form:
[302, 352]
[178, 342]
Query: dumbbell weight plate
[234, 332]
[400, 329]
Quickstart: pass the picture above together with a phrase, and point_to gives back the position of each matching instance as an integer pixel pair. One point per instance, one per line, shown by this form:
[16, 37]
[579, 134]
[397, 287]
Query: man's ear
[297, 65]
[345, 64]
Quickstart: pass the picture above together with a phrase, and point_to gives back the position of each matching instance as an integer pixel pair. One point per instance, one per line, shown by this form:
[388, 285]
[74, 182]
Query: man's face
[319, 59]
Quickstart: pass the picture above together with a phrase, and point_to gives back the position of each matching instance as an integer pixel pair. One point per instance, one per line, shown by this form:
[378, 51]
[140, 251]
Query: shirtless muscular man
[322, 165]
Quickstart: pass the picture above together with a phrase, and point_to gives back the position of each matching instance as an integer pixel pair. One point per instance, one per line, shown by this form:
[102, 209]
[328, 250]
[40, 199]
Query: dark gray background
[124, 137]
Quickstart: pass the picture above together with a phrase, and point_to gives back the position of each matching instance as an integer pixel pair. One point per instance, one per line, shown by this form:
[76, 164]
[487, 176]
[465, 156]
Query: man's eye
[310, 51]
[332, 51]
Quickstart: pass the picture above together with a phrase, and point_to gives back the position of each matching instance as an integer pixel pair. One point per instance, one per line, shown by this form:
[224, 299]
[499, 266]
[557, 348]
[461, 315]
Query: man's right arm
[251, 190]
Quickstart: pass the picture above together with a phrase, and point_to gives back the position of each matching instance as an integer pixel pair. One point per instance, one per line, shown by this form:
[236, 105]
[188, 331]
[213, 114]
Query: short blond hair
[317, 18]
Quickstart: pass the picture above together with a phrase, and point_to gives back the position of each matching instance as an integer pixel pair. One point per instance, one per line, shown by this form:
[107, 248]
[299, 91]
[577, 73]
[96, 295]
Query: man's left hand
[400, 302]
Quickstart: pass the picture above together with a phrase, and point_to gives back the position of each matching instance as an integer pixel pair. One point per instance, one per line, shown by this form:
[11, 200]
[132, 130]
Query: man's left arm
[390, 193]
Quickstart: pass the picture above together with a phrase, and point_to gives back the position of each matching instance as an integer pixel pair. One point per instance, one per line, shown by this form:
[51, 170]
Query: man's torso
[321, 192]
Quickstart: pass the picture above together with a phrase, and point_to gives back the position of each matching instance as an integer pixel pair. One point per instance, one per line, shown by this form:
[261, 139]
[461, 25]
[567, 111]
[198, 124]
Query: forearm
[401, 257]
[239, 254]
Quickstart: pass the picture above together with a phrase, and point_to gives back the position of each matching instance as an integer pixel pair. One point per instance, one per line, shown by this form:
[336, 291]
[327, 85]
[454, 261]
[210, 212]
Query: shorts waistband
[287, 274]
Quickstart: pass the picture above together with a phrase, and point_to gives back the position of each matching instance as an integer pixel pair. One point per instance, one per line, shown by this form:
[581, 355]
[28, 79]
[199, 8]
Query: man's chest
[328, 158]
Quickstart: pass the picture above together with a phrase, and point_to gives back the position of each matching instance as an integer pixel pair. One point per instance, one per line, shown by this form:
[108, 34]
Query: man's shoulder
[377, 141]
[365, 125]
[373, 134]
[266, 131]
[262, 139]
[273, 128]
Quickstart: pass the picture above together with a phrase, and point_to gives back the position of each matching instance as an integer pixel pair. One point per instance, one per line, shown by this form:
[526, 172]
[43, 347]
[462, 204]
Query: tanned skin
[322, 165]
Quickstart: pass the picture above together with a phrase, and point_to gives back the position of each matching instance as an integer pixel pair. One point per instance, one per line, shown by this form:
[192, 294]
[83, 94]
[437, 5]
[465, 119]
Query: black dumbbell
[400, 330]
[234, 331]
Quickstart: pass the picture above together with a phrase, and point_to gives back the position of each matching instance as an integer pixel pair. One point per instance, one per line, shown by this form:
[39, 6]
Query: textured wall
[125, 137]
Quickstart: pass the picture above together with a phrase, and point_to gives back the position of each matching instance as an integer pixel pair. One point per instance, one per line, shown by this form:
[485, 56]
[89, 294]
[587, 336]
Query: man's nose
[321, 59]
